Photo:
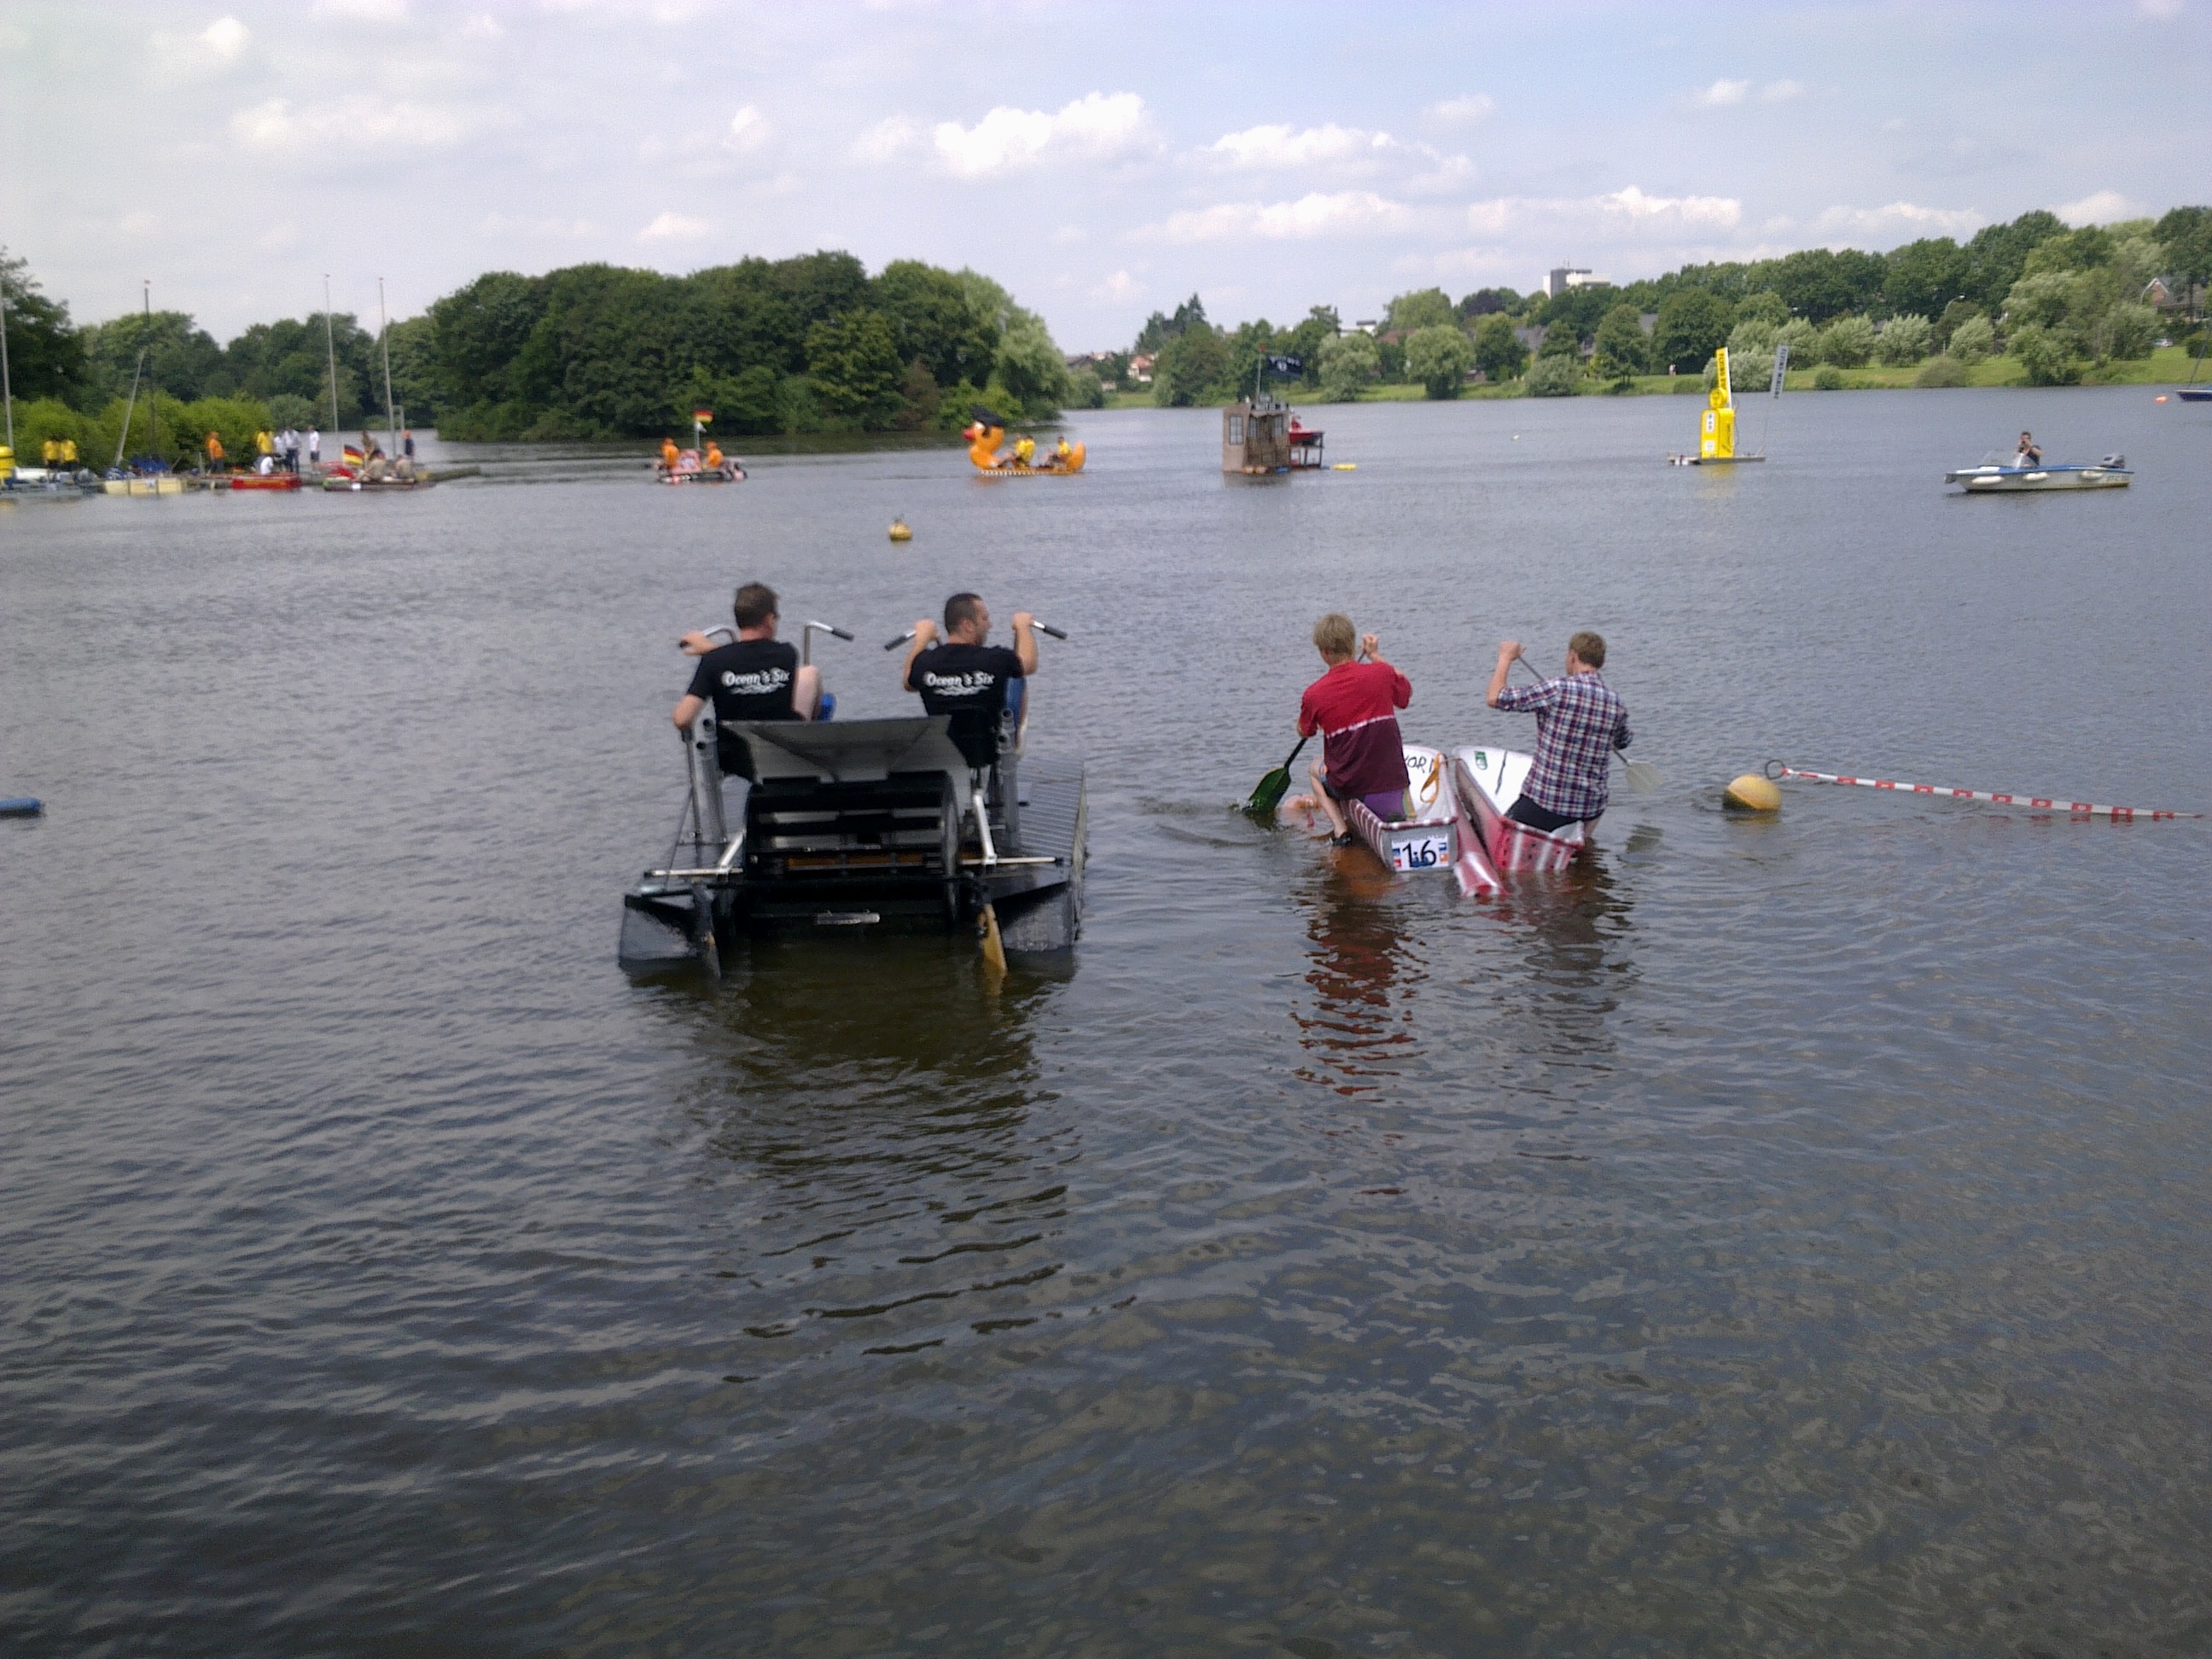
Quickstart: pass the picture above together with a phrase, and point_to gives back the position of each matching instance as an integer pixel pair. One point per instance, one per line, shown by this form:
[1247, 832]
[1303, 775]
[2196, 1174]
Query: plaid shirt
[1578, 719]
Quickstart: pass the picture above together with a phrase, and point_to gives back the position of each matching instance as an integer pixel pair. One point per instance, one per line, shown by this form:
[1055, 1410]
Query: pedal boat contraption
[901, 824]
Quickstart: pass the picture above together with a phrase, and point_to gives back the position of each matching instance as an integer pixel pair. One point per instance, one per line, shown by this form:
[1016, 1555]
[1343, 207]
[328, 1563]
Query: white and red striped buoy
[2033, 803]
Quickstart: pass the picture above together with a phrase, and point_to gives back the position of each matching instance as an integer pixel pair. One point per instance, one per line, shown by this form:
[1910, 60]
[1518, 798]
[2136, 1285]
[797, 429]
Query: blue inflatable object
[21, 806]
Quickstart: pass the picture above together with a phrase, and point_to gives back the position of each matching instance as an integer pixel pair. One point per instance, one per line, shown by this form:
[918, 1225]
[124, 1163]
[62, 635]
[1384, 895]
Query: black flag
[1285, 365]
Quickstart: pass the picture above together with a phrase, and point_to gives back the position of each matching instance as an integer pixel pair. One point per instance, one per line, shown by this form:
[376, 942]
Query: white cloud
[674, 227]
[225, 37]
[1898, 222]
[500, 224]
[1461, 112]
[1067, 235]
[482, 26]
[276, 125]
[1722, 93]
[1345, 213]
[1093, 127]
[748, 131]
[2161, 9]
[1630, 209]
[1283, 146]
[2101, 208]
[1119, 288]
[1780, 92]
[367, 11]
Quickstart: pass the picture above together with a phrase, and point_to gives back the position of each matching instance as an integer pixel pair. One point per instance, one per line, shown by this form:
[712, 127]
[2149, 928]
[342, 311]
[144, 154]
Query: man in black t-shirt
[965, 676]
[756, 677]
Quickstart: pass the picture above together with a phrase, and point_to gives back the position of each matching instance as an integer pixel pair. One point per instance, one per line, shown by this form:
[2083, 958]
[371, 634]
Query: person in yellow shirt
[1063, 451]
[50, 452]
[215, 451]
[69, 452]
[1025, 449]
[264, 443]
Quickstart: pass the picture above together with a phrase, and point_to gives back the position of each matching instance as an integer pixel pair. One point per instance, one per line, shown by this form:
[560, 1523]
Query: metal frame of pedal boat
[1511, 845]
[862, 823]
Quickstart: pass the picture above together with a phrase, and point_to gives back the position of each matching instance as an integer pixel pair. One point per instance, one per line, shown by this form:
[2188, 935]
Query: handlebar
[1042, 628]
[828, 629]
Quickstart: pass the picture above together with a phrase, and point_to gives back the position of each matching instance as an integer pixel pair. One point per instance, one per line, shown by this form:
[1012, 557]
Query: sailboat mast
[7, 389]
[331, 352]
[153, 401]
[384, 332]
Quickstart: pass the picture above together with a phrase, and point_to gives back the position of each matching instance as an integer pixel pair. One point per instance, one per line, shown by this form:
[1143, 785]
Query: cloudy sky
[1100, 161]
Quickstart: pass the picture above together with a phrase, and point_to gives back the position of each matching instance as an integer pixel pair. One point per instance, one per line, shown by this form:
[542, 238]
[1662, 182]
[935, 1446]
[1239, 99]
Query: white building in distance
[1564, 277]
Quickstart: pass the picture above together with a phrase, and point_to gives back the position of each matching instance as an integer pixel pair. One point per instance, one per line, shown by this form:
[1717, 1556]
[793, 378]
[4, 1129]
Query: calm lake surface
[1783, 1237]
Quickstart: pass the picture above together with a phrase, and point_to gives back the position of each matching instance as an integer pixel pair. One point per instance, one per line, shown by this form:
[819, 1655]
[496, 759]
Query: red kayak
[261, 481]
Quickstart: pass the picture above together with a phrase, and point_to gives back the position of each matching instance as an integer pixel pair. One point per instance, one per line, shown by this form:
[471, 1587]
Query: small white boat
[1486, 782]
[1426, 837]
[1992, 479]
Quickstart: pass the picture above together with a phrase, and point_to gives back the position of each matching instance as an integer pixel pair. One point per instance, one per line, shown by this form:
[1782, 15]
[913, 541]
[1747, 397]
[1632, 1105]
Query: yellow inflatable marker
[1716, 438]
[1752, 793]
[899, 531]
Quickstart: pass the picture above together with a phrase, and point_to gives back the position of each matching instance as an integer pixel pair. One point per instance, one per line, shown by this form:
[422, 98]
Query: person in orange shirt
[214, 452]
[668, 454]
[713, 456]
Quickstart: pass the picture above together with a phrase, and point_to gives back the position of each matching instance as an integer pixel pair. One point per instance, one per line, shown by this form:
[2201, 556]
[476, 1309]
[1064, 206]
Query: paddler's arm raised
[925, 635]
[1506, 653]
[1025, 642]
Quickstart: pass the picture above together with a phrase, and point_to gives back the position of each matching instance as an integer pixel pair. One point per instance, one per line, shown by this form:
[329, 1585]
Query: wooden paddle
[1273, 788]
[1643, 776]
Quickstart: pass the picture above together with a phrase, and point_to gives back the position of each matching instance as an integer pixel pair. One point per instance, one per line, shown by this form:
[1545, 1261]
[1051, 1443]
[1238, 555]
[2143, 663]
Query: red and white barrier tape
[2037, 803]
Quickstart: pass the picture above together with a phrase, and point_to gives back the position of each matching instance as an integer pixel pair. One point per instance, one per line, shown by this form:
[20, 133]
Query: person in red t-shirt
[1354, 708]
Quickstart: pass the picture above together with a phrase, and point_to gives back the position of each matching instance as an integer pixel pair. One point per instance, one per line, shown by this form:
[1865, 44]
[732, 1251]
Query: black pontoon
[899, 824]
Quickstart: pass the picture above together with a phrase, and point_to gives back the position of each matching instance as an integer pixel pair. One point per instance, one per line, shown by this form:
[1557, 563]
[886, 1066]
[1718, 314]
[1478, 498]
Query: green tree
[1160, 328]
[1306, 340]
[2046, 354]
[1953, 314]
[1189, 366]
[1619, 344]
[1561, 339]
[1998, 254]
[853, 363]
[1484, 302]
[1427, 307]
[2185, 233]
[2131, 331]
[1751, 355]
[1765, 307]
[1555, 377]
[1904, 340]
[1847, 341]
[1440, 356]
[1944, 371]
[46, 354]
[1498, 352]
[290, 358]
[932, 318]
[1973, 338]
[1922, 278]
[1803, 340]
[1822, 283]
[1348, 362]
[1693, 322]
[475, 334]
[181, 358]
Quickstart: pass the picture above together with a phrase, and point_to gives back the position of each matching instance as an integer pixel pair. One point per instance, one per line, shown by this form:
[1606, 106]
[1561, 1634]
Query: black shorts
[1525, 811]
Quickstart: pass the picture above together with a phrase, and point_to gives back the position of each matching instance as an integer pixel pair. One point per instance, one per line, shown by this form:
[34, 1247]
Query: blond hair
[1334, 636]
[1590, 647]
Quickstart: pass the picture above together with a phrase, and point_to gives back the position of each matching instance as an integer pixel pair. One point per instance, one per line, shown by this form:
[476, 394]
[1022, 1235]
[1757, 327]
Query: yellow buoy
[1343, 466]
[899, 530]
[1753, 794]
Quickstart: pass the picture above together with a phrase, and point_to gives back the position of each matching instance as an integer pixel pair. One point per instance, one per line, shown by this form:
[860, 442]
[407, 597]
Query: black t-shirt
[749, 680]
[969, 683]
[952, 677]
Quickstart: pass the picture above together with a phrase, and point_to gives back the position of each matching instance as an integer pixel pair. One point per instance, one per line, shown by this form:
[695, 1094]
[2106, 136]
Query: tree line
[2057, 301]
[807, 344]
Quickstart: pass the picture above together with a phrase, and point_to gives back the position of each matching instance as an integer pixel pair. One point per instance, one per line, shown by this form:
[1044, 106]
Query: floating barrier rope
[2038, 803]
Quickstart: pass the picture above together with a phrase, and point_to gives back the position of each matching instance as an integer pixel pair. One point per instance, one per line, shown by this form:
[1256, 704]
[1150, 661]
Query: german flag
[354, 457]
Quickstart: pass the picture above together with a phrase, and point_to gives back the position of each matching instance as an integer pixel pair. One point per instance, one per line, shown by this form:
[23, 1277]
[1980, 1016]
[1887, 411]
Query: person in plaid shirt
[1579, 721]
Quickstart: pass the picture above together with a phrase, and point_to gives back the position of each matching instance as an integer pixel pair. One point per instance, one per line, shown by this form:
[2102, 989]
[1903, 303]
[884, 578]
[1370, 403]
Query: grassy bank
[2169, 366]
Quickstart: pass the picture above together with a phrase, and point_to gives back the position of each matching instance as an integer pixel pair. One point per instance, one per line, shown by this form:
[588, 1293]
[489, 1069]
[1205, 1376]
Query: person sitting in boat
[669, 452]
[713, 457]
[967, 677]
[755, 677]
[1580, 721]
[1024, 450]
[1354, 706]
[2030, 454]
[1063, 452]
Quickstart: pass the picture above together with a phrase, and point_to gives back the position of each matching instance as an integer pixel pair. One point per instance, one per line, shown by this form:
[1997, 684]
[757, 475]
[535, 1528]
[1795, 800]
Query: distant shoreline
[2168, 365]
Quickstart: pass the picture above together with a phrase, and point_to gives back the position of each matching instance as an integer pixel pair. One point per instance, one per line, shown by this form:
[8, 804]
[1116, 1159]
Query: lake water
[1780, 1237]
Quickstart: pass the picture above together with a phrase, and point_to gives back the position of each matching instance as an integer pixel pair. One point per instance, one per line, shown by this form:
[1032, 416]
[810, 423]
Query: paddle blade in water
[1269, 795]
[1643, 776]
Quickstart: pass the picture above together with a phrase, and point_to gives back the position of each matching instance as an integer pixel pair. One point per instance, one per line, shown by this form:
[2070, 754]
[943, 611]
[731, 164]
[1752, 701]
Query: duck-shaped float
[983, 433]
